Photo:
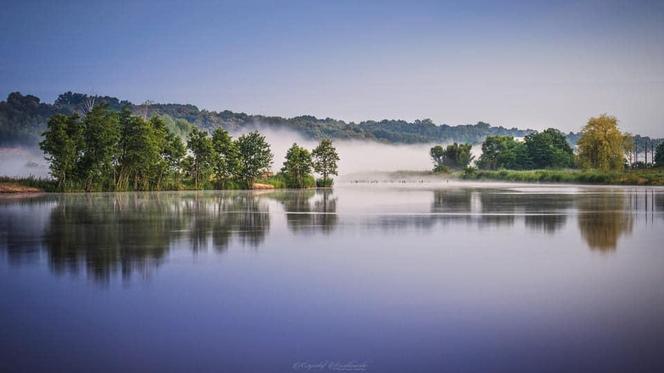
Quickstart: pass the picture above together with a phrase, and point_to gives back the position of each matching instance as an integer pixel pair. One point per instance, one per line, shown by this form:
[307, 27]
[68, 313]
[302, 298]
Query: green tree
[173, 154]
[504, 152]
[659, 155]
[325, 160]
[297, 167]
[62, 145]
[140, 153]
[227, 156]
[255, 157]
[601, 144]
[549, 149]
[202, 156]
[453, 156]
[101, 135]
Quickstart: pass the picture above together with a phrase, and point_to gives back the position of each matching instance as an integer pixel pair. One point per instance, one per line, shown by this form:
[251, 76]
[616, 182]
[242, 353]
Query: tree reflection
[220, 217]
[603, 220]
[109, 232]
[547, 213]
[105, 233]
[308, 211]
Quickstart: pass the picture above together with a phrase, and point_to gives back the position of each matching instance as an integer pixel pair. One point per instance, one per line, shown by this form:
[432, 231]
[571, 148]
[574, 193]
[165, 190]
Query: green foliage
[140, 153]
[324, 183]
[659, 155]
[23, 118]
[227, 158]
[62, 144]
[255, 157]
[454, 156]
[325, 160]
[504, 152]
[546, 149]
[549, 149]
[200, 162]
[101, 135]
[297, 167]
[588, 176]
[601, 144]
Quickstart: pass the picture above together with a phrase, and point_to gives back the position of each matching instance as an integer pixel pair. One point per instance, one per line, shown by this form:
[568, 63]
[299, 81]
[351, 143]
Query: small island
[105, 151]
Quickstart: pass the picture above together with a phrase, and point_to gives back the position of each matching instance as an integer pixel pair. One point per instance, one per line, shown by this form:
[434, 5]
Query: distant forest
[23, 119]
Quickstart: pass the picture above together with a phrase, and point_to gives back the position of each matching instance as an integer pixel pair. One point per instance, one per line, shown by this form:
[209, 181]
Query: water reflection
[103, 234]
[308, 211]
[603, 219]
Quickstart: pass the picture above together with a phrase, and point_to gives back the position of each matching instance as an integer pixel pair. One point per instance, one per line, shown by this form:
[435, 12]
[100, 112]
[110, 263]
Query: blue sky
[526, 64]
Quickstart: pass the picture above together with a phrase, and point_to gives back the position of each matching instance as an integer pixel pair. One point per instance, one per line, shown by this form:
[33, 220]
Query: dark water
[365, 278]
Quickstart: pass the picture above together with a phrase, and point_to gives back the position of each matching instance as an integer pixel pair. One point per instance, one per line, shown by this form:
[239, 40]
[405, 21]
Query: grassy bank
[25, 185]
[653, 176]
[33, 184]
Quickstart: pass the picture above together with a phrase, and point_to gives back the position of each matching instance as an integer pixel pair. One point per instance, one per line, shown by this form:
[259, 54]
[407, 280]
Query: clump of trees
[546, 149]
[301, 163]
[453, 156]
[105, 150]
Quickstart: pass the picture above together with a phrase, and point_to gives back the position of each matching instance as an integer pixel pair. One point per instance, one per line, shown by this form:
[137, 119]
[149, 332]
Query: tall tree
[139, 153]
[101, 135]
[255, 157]
[62, 145]
[601, 144]
[226, 160]
[201, 158]
[659, 155]
[325, 158]
[297, 167]
[173, 154]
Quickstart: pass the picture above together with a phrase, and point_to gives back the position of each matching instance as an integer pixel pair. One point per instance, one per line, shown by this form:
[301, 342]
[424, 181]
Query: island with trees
[118, 151]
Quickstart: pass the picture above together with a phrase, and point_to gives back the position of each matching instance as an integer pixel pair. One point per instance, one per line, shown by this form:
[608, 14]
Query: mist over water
[22, 162]
[356, 157]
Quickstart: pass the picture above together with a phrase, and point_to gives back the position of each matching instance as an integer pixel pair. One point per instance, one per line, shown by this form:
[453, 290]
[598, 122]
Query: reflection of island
[221, 217]
[130, 232]
[603, 219]
[307, 210]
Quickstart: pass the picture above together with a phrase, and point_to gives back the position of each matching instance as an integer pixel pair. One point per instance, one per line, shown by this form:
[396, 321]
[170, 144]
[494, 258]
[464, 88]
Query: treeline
[23, 118]
[105, 150]
[601, 146]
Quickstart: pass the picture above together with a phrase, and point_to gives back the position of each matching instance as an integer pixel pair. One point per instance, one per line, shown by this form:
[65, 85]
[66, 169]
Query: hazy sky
[526, 64]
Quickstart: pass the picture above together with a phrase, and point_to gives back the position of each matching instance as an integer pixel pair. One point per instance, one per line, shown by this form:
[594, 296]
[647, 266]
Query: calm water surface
[403, 278]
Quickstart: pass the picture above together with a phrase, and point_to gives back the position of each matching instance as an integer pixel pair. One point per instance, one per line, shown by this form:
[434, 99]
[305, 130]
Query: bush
[324, 183]
[441, 169]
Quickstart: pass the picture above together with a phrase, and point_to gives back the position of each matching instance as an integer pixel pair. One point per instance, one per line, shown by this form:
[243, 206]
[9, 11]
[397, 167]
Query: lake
[410, 277]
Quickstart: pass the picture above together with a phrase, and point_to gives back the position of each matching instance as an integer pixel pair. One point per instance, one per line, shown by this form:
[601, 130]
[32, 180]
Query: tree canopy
[453, 156]
[325, 160]
[601, 144]
[297, 167]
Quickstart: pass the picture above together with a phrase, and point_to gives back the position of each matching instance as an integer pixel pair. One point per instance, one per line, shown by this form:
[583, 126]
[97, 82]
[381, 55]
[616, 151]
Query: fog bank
[22, 162]
[355, 156]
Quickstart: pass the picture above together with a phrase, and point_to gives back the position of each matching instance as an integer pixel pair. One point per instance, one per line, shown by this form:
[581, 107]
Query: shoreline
[640, 177]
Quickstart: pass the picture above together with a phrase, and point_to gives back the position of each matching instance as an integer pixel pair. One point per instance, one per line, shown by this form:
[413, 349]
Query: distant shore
[652, 176]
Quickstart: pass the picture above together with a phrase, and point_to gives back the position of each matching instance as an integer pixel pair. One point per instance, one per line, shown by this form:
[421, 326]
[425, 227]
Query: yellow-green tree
[601, 144]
